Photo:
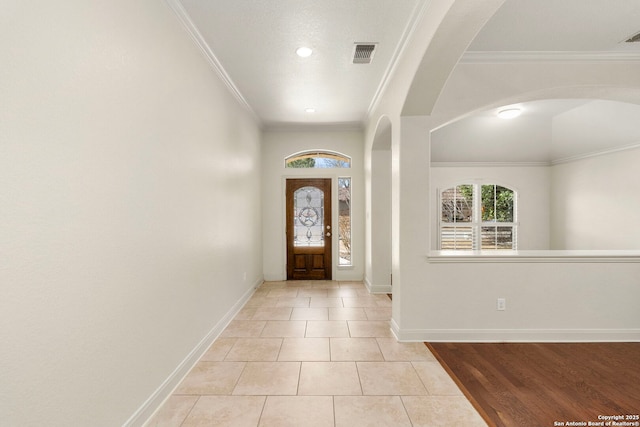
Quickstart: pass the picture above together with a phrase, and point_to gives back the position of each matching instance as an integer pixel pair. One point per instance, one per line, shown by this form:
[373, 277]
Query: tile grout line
[333, 401]
[280, 349]
[235, 385]
[359, 379]
[299, 377]
[191, 410]
[330, 355]
[384, 358]
[405, 410]
[224, 357]
[264, 405]
[420, 378]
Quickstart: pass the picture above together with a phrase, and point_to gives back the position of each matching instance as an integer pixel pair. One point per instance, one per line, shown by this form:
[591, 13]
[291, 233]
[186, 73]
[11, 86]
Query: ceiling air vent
[363, 53]
[633, 39]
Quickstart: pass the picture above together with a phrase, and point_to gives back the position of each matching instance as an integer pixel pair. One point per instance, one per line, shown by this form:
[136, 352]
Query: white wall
[550, 298]
[434, 299]
[578, 205]
[130, 208]
[379, 277]
[533, 202]
[595, 202]
[277, 145]
[595, 127]
[545, 301]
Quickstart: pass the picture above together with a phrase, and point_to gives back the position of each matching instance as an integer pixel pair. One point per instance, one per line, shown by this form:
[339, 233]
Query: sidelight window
[344, 220]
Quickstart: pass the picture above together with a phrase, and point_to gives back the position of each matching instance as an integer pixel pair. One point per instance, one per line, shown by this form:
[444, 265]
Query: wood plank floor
[539, 384]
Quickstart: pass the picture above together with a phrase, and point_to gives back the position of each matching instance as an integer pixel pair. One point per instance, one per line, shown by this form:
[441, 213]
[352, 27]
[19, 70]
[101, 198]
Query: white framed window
[478, 216]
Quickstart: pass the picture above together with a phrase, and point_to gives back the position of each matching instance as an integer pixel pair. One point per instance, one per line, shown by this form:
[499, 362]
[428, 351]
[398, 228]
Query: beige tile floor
[315, 354]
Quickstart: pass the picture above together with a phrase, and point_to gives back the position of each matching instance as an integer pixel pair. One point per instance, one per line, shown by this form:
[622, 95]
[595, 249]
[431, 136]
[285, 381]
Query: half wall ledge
[535, 256]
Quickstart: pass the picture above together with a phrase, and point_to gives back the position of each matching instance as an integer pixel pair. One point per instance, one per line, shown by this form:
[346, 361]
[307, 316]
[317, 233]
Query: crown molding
[199, 40]
[419, 11]
[536, 164]
[313, 127]
[594, 154]
[488, 164]
[489, 57]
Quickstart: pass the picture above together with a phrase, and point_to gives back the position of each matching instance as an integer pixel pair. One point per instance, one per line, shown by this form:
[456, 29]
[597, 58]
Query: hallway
[315, 354]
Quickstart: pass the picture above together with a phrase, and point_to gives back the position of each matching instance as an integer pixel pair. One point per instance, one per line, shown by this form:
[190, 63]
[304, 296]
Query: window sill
[531, 256]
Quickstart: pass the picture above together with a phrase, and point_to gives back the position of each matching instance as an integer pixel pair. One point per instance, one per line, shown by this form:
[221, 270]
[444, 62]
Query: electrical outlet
[501, 304]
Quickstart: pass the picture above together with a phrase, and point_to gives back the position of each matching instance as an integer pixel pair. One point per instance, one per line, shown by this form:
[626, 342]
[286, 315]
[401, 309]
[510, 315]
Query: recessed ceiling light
[509, 113]
[310, 110]
[304, 52]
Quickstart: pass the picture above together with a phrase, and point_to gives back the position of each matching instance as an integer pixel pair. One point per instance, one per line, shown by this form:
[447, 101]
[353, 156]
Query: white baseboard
[515, 335]
[162, 393]
[395, 329]
[376, 289]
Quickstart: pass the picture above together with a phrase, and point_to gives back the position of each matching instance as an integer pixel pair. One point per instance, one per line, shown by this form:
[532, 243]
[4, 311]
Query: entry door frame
[328, 183]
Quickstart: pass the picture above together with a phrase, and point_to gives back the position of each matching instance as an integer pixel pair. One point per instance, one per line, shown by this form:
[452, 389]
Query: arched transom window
[318, 159]
[477, 216]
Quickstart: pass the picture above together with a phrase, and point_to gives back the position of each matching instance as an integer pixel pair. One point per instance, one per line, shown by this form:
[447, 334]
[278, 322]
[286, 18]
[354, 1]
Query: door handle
[328, 234]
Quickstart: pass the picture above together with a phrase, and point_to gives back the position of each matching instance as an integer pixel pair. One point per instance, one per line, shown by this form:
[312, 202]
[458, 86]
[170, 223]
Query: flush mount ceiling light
[304, 52]
[509, 113]
[310, 110]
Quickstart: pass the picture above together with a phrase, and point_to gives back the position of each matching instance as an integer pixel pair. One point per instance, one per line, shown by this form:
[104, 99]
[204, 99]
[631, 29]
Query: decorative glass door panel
[308, 213]
[308, 229]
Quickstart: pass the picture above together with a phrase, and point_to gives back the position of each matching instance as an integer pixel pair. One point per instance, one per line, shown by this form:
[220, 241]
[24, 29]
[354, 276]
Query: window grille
[318, 159]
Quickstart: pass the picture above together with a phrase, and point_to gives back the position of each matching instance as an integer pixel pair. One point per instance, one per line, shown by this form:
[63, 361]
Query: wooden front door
[309, 229]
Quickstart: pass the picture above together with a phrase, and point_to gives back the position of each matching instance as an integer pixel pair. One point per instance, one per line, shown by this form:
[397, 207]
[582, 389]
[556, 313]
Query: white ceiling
[551, 130]
[561, 25]
[547, 131]
[255, 42]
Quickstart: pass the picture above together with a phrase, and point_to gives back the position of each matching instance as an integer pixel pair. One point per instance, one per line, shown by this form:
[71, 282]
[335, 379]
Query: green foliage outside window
[308, 162]
[467, 192]
[497, 203]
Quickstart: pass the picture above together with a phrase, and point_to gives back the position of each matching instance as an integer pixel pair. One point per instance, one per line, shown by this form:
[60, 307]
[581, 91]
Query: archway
[379, 277]
[568, 136]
